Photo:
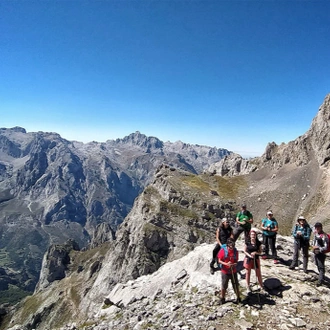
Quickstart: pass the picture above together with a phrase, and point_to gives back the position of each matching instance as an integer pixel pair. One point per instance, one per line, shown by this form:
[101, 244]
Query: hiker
[320, 247]
[269, 226]
[244, 219]
[228, 258]
[252, 252]
[222, 234]
[301, 233]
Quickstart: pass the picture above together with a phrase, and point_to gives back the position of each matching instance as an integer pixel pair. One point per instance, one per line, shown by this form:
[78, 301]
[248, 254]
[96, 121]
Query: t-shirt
[271, 223]
[232, 256]
[244, 216]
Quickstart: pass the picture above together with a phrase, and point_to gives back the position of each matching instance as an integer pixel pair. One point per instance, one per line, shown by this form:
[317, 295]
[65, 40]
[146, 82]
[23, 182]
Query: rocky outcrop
[55, 263]
[103, 233]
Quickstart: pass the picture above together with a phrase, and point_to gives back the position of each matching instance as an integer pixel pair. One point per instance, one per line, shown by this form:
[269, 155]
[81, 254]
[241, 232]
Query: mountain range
[52, 190]
[174, 216]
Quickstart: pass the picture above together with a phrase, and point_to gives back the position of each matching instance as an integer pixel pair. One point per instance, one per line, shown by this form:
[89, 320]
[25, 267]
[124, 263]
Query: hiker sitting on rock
[320, 247]
[228, 258]
[301, 233]
[270, 227]
[252, 251]
[222, 234]
[244, 219]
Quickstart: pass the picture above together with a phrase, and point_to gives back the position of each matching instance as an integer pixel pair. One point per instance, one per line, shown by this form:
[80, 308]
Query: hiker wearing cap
[222, 234]
[301, 233]
[244, 219]
[228, 258]
[252, 252]
[320, 247]
[269, 228]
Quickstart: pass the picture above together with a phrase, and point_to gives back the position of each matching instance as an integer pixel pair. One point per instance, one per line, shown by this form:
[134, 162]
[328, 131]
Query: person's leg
[296, 247]
[247, 277]
[237, 231]
[272, 241]
[305, 249]
[214, 255]
[224, 286]
[258, 273]
[266, 244]
[320, 260]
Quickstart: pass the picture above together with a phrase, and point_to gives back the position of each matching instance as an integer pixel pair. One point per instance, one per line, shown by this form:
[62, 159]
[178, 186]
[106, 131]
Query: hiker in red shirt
[227, 259]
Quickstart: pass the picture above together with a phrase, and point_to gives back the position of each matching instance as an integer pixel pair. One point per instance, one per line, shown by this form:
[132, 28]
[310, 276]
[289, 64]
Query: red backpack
[328, 243]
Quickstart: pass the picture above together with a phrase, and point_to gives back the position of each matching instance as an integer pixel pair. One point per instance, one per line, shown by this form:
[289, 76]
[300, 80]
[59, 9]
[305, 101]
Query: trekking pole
[255, 269]
[235, 284]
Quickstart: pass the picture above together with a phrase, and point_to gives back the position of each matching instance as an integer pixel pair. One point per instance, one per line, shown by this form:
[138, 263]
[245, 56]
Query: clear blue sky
[230, 74]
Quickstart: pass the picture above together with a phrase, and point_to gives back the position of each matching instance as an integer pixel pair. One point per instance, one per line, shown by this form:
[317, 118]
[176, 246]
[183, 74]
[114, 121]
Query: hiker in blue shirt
[301, 233]
[269, 226]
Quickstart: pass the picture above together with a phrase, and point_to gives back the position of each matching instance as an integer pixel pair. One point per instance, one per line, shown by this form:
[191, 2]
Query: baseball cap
[243, 205]
[269, 212]
[224, 220]
[301, 218]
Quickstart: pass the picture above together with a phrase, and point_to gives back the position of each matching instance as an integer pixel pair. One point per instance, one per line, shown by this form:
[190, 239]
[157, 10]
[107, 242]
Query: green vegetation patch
[196, 182]
[177, 210]
[230, 187]
[4, 258]
[13, 295]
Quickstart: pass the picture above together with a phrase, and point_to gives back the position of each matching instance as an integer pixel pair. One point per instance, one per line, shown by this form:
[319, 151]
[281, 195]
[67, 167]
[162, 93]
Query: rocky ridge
[182, 294]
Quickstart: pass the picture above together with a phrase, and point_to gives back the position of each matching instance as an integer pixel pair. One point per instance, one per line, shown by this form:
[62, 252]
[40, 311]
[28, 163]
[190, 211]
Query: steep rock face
[55, 263]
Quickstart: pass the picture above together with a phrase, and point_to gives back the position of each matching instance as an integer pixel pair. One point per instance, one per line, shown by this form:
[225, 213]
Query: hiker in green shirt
[244, 219]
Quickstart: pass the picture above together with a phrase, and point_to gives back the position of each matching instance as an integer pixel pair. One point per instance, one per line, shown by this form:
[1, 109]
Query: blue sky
[230, 74]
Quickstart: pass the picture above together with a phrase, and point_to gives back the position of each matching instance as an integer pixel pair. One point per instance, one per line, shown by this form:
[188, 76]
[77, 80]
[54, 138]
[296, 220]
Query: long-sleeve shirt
[305, 230]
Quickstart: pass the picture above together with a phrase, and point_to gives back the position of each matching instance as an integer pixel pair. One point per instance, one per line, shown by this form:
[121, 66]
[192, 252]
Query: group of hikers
[225, 256]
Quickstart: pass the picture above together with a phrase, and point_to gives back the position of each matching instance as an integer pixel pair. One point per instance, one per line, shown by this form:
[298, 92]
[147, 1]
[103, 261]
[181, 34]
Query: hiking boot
[292, 267]
[318, 283]
[222, 301]
[248, 289]
[276, 261]
[238, 301]
[212, 270]
[305, 271]
[264, 256]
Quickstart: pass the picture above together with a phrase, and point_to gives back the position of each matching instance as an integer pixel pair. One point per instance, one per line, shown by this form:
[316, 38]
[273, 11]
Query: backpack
[328, 243]
[224, 247]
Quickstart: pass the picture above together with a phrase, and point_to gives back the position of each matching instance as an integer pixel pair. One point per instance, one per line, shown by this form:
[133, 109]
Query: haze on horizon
[229, 74]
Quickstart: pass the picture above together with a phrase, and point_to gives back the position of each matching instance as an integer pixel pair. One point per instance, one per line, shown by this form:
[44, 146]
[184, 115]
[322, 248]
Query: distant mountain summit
[52, 189]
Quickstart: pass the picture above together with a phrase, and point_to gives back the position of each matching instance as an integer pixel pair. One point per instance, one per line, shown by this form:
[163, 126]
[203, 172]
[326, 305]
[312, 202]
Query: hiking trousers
[270, 241]
[215, 255]
[238, 231]
[304, 246]
[320, 261]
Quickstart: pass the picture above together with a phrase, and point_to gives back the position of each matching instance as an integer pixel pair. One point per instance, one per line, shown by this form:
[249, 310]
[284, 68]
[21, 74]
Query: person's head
[318, 227]
[243, 206]
[269, 214]
[301, 220]
[230, 243]
[252, 235]
[225, 222]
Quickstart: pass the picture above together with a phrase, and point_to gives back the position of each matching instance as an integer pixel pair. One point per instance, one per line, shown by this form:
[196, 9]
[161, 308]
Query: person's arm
[307, 233]
[325, 243]
[217, 234]
[275, 229]
[250, 218]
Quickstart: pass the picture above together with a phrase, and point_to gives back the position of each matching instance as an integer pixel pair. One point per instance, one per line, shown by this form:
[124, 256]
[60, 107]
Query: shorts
[248, 263]
[225, 280]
